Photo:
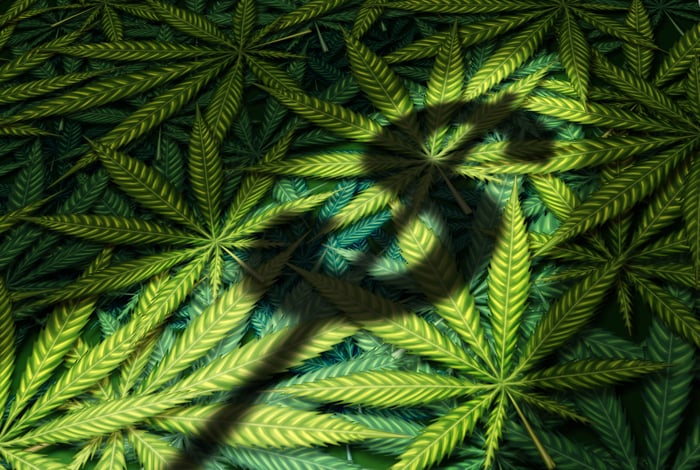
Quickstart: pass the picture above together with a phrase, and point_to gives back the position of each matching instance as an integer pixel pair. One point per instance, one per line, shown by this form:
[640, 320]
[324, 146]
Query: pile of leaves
[296, 234]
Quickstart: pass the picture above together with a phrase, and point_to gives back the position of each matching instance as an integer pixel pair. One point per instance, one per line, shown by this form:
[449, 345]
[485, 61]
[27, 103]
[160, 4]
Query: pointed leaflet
[146, 186]
[494, 428]
[464, 6]
[568, 315]
[206, 172]
[619, 194]
[590, 373]
[275, 215]
[662, 211]
[159, 301]
[374, 199]
[606, 414]
[639, 89]
[344, 122]
[614, 28]
[335, 164]
[561, 201]
[444, 89]
[35, 57]
[381, 85]
[113, 457]
[62, 329]
[442, 436]
[289, 459]
[639, 58]
[107, 90]
[139, 51]
[114, 230]
[433, 268]
[597, 114]
[546, 157]
[512, 54]
[383, 388]
[15, 10]
[508, 282]
[302, 14]
[214, 323]
[469, 34]
[7, 344]
[24, 460]
[152, 451]
[688, 458]
[574, 54]
[666, 394]
[266, 426]
[163, 106]
[226, 102]
[261, 358]
[692, 86]
[34, 88]
[491, 111]
[675, 314]
[243, 21]
[548, 405]
[189, 23]
[255, 186]
[122, 275]
[367, 14]
[97, 419]
[691, 214]
[112, 24]
[679, 57]
[29, 183]
[392, 323]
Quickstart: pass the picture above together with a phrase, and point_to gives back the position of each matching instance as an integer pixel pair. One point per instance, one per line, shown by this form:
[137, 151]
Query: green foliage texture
[337, 234]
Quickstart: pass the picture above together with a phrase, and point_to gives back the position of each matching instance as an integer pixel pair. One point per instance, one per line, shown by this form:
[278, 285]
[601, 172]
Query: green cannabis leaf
[459, 187]
[492, 373]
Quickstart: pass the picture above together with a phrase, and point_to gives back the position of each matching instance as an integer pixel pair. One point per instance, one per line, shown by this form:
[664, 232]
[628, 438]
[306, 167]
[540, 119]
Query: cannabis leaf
[492, 372]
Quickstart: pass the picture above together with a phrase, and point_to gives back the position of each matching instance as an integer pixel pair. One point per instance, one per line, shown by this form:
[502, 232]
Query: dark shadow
[201, 448]
[480, 119]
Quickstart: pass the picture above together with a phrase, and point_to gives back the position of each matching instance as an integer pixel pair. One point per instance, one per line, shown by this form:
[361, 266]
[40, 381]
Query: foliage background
[149, 191]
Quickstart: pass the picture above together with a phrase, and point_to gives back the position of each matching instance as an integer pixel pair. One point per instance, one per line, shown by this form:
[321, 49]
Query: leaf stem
[549, 463]
[245, 266]
[460, 202]
[302, 33]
